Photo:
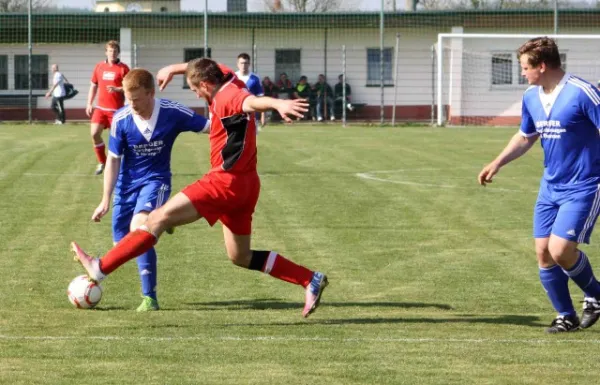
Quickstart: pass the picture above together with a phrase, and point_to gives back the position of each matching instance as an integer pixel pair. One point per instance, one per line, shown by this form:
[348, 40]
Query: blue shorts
[147, 198]
[566, 212]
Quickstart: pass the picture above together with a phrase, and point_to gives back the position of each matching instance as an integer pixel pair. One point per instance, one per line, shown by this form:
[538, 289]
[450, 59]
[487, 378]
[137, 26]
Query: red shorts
[102, 117]
[229, 198]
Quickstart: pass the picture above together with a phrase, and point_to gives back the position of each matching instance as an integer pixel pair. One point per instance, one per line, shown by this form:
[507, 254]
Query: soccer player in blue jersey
[563, 111]
[138, 169]
[252, 81]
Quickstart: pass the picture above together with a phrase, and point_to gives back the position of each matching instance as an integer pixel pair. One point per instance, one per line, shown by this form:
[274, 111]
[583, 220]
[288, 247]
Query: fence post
[395, 79]
[343, 85]
[29, 59]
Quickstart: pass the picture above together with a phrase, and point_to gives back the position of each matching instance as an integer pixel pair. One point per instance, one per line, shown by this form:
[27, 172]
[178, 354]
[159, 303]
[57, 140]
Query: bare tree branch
[309, 6]
[21, 5]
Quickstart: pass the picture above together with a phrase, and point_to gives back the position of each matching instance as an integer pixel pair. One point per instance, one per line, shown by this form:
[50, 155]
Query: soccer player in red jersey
[107, 82]
[228, 192]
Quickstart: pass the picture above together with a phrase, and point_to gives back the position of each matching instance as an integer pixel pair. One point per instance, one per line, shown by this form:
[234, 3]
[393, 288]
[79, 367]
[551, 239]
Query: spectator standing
[58, 93]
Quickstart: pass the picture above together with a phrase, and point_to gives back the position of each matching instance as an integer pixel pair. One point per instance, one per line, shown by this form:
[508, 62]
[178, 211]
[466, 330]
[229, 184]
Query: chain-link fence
[397, 82]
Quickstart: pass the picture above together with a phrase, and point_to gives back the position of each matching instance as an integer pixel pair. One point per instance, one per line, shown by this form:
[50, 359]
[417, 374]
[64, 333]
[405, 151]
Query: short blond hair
[113, 44]
[138, 78]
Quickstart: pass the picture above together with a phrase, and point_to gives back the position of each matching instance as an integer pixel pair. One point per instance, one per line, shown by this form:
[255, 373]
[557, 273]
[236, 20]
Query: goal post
[478, 76]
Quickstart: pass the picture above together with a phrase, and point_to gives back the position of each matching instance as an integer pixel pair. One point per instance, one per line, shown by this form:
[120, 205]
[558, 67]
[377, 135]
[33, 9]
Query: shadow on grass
[506, 319]
[273, 303]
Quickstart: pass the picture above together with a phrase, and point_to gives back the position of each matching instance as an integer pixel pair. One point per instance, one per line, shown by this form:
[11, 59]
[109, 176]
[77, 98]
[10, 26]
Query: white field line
[302, 339]
[371, 175]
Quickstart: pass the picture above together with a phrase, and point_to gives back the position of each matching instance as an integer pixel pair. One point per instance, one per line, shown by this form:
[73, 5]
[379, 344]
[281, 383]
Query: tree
[488, 4]
[303, 5]
[21, 5]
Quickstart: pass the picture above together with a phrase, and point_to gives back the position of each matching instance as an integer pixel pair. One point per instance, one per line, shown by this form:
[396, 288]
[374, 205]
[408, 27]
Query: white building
[480, 82]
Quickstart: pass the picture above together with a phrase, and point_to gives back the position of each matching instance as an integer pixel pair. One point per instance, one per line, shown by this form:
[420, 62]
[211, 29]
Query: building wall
[320, 53]
[147, 6]
[475, 97]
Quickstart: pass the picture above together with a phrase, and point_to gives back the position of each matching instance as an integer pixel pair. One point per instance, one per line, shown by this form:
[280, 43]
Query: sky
[217, 5]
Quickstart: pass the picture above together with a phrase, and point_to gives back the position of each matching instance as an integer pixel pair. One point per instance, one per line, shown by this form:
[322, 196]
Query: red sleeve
[125, 69]
[232, 101]
[94, 75]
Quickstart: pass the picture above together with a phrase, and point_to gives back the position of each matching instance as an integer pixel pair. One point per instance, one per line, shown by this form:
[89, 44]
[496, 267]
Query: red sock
[133, 245]
[100, 153]
[279, 267]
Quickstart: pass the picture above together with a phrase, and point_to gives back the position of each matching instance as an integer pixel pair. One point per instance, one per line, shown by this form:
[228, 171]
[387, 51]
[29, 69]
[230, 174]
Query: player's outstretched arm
[165, 74]
[113, 165]
[517, 146]
[285, 107]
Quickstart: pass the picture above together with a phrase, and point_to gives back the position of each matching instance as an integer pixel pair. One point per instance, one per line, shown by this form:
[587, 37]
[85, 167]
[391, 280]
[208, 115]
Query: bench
[355, 108]
[18, 100]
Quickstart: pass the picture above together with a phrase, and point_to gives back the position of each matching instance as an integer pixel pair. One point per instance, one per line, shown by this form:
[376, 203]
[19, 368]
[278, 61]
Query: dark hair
[244, 56]
[302, 78]
[204, 70]
[540, 50]
[283, 73]
[341, 76]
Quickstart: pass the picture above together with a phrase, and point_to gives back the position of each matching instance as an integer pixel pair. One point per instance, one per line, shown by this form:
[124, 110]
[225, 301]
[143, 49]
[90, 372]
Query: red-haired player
[228, 192]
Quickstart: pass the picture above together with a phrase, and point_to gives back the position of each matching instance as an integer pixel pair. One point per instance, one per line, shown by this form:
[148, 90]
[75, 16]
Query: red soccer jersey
[232, 131]
[104, 75]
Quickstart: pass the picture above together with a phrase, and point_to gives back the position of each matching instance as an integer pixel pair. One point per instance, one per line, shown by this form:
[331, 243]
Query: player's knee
[158, 220]
[239, 258]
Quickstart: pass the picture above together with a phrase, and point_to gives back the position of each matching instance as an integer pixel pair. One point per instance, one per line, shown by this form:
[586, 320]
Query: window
[374, 67]
[288, 61]
[506, 69]
[163, 9]
[3, 72]
[502, 68]
[39, 72]
[190, 54]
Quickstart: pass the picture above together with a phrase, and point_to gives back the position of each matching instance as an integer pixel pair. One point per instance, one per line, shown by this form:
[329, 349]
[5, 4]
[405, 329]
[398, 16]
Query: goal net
[478, 76]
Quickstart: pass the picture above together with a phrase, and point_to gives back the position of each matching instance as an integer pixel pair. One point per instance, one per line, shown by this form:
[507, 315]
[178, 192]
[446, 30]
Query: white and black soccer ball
[84, 293]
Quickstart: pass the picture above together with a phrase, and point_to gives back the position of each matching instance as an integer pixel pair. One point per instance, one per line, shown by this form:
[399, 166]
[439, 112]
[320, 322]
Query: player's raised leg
[274, 264]
[177, 211]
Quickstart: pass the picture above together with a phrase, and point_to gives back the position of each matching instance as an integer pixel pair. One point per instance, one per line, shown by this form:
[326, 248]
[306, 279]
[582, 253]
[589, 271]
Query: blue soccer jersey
[252, 83]
[567, 121]
[145, 145]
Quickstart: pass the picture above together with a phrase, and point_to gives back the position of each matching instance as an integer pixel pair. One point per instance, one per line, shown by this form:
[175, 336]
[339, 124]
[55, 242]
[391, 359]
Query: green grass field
[433, 279]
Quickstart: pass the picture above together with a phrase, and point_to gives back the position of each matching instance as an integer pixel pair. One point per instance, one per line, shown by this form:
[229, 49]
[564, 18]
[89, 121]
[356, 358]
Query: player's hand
[100, 211]
[89, 109]
[164, 77]
[293, 107]
[112, 89]
[47, 95]
[488, 172]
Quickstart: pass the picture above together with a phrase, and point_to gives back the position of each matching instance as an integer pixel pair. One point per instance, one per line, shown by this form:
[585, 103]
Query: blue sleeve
[191, 121]
[256, 89]
[589, 100]
[116, 141]
[527, 124]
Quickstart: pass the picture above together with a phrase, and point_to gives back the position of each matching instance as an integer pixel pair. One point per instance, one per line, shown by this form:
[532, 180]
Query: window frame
[43, 76]
[187, 58]
[387, 81]
[4, 75]
[291, 74]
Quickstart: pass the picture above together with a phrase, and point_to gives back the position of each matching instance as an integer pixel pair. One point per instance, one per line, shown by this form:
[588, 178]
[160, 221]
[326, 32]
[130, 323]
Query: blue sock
[583, 276]
[556, 283]
[147, 269]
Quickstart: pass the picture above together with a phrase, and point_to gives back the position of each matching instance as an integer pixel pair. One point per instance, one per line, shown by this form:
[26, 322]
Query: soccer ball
[83, 293]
